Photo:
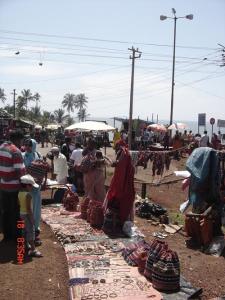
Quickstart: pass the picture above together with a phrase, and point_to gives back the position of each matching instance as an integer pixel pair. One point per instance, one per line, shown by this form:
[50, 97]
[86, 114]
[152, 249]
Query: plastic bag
[216, 246]
[127, 228]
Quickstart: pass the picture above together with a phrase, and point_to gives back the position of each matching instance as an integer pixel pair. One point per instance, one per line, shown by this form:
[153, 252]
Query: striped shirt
[11, 167]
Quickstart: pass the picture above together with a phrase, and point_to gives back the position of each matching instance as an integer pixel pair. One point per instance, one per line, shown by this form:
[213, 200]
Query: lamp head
[189, 17]
[162, 18]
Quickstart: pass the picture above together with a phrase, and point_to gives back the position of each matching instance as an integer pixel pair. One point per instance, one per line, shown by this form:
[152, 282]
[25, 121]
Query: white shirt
[124, 136]
[204, 141]
[77, 156]
[60, 166]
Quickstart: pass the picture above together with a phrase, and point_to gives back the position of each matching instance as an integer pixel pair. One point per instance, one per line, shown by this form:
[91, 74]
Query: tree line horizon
[69, 104]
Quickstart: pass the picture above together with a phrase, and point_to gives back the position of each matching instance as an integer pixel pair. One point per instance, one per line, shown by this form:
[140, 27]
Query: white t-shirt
[204, 141]
[77, 156]
[60, 167]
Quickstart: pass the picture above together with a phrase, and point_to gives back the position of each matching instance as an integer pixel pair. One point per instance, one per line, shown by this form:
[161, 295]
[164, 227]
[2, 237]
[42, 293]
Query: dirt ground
[37, 278]
[47, 277]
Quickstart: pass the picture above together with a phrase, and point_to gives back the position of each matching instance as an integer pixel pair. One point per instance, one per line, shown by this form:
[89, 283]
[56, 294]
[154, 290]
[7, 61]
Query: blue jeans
[36, 196]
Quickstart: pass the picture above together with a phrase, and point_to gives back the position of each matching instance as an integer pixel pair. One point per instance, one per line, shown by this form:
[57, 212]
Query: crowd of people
[149, 138]
[23, 174]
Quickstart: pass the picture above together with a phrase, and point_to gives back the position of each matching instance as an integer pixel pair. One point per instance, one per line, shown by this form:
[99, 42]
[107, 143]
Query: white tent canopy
[90, 126]
[178, 126]
[53, 126]
[157, 127]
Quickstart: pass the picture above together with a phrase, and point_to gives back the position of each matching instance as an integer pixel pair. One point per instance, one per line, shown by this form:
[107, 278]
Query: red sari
[121, 190]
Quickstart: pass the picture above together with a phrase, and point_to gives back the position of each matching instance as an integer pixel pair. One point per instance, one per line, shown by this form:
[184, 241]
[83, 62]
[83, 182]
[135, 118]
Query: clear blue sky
[86, 51]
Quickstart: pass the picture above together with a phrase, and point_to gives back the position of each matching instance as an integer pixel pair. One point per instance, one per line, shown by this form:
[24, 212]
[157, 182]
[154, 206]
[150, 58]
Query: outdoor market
[112, 150]
[96, 195]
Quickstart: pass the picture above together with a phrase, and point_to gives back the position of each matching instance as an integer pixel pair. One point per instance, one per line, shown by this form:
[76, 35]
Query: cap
[28, 179]
[55, 149]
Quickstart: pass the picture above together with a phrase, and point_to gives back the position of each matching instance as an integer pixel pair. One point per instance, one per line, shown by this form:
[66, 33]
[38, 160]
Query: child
[26, 212]
[102, 161]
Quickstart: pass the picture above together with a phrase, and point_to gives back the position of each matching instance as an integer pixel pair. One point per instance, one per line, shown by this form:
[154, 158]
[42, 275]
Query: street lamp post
[162, 18]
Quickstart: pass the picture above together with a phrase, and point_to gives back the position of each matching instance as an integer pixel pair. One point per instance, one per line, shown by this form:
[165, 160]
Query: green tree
[9, 109]
[82, 114]
[36, 98]
[69, 121]
[21, 107]
[69, 101]
[81, 103]
[35, 113]
[60, 116]
[45, 117]
[26, 97]
[2, 95]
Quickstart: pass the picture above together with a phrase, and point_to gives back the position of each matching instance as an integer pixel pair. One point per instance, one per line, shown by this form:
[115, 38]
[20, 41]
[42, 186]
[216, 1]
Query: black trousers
[10, 215]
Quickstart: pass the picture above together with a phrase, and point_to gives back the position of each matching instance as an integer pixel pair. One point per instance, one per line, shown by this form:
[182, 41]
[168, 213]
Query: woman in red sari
[119, 201]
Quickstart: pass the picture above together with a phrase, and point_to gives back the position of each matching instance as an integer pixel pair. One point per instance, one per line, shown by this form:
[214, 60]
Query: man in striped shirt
[11, 169]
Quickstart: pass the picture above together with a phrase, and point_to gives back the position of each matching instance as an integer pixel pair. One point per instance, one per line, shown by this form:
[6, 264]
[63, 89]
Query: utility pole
[14, 103]
[133, 57]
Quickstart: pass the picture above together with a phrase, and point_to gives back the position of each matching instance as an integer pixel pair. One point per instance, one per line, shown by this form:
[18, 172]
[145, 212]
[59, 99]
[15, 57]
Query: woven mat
[96, 267]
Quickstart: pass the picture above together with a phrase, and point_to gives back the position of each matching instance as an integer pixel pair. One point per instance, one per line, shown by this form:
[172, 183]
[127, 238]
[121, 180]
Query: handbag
[70, 200]
[166, 272]
[112, 223]
[38, 169]
[96, 214]
[138, 255]
[156, 247]
[84, 207]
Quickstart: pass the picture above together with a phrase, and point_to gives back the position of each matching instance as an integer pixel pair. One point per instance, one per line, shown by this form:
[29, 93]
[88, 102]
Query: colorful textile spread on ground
[96, 268]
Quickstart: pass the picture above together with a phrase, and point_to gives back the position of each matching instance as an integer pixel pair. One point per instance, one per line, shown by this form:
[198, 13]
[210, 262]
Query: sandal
[34, 253]
[38, 243]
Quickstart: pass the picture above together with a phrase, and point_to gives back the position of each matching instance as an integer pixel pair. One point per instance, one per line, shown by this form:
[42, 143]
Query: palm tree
[36, 97]
[9, 109]
[80, 103]
[27, 96]
[52, 118]
[2, 95]
[46, 116]
[82, 114]
[69, 102]
[35, 113]
[59, 115]
[69, 121]
[21, 106]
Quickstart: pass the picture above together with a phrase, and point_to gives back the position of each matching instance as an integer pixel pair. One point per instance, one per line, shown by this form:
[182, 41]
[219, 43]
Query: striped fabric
[156, 246]
[11, 167]
[166, 272]
[134, 258]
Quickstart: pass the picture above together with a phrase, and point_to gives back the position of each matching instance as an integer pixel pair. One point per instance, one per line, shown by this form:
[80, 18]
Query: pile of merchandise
[156, 262]
[96, 268]
[147, 209]
[103, 268]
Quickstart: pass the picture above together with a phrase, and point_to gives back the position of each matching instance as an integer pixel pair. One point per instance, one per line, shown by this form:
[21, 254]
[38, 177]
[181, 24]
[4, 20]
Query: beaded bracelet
[113, 295]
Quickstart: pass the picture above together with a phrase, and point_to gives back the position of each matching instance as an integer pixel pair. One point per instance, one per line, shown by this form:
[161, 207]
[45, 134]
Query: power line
[99, 40]
[102, 49]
